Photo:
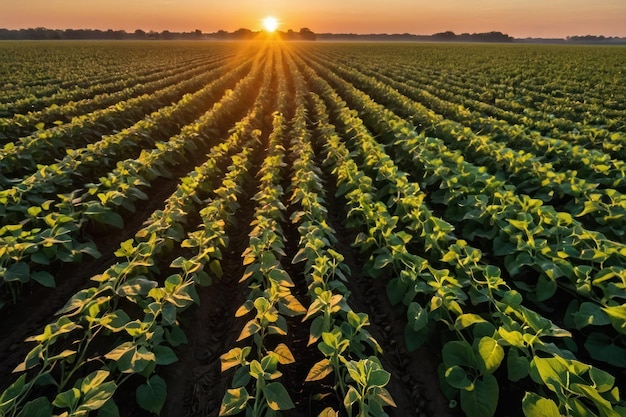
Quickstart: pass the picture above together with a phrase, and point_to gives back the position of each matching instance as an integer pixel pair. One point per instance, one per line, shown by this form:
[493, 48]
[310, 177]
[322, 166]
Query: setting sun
[270, 23]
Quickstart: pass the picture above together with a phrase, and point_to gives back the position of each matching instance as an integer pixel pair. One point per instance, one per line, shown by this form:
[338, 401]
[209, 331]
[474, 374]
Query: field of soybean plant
[312, 229]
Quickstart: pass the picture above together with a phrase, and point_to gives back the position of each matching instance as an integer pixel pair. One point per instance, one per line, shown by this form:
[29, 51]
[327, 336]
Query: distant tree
[140, 34]
[586, 39]
[167, 35]
[307, 34]
[242, 34]
[445, 36]
[221, 34]
[290, 35]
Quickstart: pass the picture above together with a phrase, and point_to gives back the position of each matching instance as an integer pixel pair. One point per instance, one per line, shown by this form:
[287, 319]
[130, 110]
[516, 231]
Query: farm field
[270, 228]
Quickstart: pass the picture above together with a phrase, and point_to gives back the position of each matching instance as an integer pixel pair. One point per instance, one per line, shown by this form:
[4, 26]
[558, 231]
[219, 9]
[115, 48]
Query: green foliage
[480, 207]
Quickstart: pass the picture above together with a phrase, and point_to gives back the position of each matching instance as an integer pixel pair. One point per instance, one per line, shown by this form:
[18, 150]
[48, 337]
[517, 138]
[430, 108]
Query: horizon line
[317, 33]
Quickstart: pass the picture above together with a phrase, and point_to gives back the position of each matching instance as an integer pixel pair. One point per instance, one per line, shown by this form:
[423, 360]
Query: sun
[270, 23]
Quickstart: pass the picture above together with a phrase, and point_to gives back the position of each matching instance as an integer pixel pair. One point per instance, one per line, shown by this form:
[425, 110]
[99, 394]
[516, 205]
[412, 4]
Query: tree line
[41, 33]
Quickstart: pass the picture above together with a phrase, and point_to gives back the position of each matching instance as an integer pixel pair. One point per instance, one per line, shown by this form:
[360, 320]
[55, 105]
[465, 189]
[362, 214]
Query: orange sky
[518, 18]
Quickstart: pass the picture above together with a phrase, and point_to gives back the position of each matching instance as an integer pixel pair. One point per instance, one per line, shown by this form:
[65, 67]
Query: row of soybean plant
[42, 225]
[603, 206]
[525, 232]
[337, 331]
[564, 168]
[123, 99]
[480, 332]
[32, 83]
[549, 98]
[481, 109]
[590, 164]
[126, 325]
[256, 385]
[350, 352]
[21, 156]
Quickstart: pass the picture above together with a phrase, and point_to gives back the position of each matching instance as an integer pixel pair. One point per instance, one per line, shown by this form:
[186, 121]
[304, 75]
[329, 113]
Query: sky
[517, 18]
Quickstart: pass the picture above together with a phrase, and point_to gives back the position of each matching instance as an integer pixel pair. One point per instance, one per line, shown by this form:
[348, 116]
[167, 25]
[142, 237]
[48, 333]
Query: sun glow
[270, 23]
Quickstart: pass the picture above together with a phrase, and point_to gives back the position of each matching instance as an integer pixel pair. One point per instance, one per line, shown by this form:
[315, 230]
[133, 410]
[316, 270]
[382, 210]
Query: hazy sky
[519, 18]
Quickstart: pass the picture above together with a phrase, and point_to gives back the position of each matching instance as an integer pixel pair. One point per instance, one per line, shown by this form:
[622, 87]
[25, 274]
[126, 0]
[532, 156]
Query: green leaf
[242, 377]
[552, 371]
[592, 394]
[215, 267]
[175, 336]
[457, 378]
[93, 380]
[115, 321]
[590, 314]
[414, 340]
[513, 338]
[109, 409]
[277, 397]
[617, 315]
[378, 378]
[98, 396]
[104, 215]
[601, 347]
[466, 320]
[534, 405]
[458, 353]
[417, 316]
[280, 277]
[482, 401]
[234, 401]
[17, 272]
[545, 289]
[517, 366]
[13, 391]
[89, 248]
[39, 407]
[151, 395]
[44, 278]
[602, 380]
[67, 399]
[396, 289]
[203, 279]
[164, 355]
[169, 314]
[351, 397]
[491, 353]
[136, 286]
